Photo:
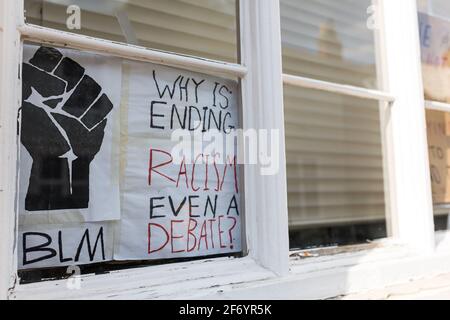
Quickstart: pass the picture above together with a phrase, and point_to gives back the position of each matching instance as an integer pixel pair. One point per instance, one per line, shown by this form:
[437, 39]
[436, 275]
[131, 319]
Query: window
[97, 137]
[434, 24]
[334, 143]
[199, 28]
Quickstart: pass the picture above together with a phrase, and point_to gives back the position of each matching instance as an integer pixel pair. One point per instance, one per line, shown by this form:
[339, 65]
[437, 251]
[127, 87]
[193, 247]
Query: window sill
[388, 263]
[188, 280]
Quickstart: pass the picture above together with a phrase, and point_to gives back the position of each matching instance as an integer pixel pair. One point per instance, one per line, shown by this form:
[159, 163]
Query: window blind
[334, 159]
[333, 142]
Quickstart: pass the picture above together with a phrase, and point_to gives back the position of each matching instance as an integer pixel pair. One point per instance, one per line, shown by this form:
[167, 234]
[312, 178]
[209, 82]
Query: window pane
[103, 174]
[204, 28]
[438, 130]
[328, 40]
[434, 24]
[334, 169]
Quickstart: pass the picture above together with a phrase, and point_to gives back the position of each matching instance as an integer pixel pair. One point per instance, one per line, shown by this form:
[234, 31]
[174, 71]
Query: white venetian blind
[195, 27]
[328, 40]
[333, 142]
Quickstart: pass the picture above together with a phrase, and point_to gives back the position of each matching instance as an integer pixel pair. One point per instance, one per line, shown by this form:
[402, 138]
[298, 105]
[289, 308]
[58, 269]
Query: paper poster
[182, 206]
[64, 245]
[435, 53]
[70, 131]
[124, 160]
[438, 133]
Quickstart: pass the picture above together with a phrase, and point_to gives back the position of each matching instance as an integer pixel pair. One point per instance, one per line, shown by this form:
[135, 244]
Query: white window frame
[272, 254]
[267, 271]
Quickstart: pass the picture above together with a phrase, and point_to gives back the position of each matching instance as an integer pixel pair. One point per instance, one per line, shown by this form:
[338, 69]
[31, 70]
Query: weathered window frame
[260, 250]
[267, 271]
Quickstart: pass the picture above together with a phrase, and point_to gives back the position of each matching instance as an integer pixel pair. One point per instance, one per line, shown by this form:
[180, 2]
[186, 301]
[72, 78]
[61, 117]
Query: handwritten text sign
[435, 53]
[184, 207]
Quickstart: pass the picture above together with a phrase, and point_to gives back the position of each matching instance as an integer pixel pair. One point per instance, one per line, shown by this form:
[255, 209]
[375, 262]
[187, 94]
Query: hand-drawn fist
[63, 122]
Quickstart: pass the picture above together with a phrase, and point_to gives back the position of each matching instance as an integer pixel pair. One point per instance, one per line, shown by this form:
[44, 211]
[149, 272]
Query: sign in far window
[193, 27]
[438, 132]
[113, 164]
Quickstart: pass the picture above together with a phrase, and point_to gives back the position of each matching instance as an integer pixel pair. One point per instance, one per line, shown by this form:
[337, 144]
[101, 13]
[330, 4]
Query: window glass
[333, 142]
[328, 40]
[438, 131]
[205, 28]
[439, 8]
[434, 28]
[334, 169]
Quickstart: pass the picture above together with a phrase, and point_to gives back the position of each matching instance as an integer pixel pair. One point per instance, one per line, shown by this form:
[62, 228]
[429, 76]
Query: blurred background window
[328, 40]
[333, 142]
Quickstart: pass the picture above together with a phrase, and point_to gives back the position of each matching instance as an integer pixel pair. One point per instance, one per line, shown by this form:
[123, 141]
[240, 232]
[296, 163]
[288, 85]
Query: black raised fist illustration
[63, 123]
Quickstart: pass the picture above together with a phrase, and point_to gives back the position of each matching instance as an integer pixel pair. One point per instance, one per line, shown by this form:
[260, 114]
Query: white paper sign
[183, 207]
[70, 131]
[435, 53]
